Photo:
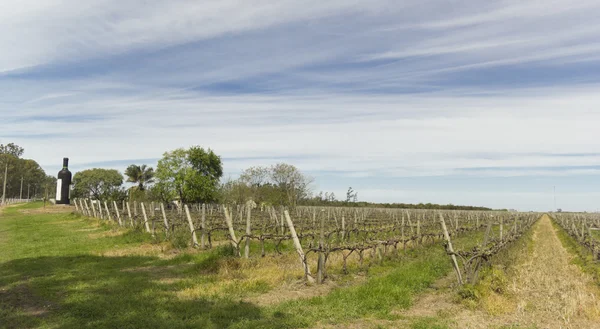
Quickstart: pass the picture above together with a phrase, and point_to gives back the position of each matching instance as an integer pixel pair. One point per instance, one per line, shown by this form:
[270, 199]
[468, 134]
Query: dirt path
[546, 291]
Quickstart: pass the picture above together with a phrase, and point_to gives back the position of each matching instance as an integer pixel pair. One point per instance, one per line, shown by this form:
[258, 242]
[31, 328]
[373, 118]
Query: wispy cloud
[356, 90]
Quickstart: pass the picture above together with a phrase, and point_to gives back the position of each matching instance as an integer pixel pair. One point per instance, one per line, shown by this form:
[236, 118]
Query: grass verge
[54, 275]
[583, 257]
[491, 292]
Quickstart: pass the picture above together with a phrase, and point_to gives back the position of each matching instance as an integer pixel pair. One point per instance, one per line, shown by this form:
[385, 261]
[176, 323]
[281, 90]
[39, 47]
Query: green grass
[583, 257]
[53, 275]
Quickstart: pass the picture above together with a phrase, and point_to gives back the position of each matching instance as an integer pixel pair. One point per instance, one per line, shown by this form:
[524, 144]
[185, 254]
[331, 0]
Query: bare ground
[50, 209]
[546, 291]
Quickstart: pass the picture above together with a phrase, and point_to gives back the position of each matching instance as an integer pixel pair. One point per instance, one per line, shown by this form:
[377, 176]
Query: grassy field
[60, 270]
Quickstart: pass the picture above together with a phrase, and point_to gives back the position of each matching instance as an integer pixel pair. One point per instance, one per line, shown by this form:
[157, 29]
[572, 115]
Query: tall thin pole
[21, 193]
[28, 185]
[5, 178]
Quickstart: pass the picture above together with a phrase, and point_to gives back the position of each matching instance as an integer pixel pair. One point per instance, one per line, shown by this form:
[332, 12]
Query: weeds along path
[545, 290]
[552, 292]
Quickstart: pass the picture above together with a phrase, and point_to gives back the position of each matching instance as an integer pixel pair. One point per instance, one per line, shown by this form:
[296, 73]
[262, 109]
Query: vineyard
[10, 201]
[258, 266]
[323, 237]
[583, 227]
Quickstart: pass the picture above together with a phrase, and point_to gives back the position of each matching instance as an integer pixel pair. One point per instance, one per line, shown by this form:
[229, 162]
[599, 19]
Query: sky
[491, 103]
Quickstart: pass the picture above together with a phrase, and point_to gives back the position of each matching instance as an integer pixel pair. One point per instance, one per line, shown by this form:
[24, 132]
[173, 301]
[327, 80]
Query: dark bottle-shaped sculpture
[63, 184]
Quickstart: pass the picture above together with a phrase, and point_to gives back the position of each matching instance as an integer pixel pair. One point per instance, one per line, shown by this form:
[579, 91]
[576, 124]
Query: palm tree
[141, 175]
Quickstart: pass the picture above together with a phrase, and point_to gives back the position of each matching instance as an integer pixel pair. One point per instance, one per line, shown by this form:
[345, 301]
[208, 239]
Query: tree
[351, 195]
[20, 172]
[280, 184]
[292, 183]
[331, 197]
[190, 175]
[49, 187]
[160, 193]
[100, 184]
[255, 176]
[12, 149]
[140, 175]
[255, 183]
[235, 191]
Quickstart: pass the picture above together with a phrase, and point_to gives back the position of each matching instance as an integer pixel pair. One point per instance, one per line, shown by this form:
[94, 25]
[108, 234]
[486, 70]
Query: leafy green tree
[101, 184]
[190, 175]
[25, 173]
[159, 192]
[12, 149]
[140, 175]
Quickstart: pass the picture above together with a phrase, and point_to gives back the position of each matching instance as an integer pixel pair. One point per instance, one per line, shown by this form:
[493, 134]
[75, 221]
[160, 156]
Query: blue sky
[464, 102]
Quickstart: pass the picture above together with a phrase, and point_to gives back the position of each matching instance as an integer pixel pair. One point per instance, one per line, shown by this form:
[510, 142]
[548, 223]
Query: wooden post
[321, 261]
[298, 246]
[102, 211]
[145, 218]
[282, 222]
[107, 217]
[419, 231]
[79, 203]
[164, 215]
[229, 222]
[129, 213]
[248, 233]
[203, 227]
[87, 207]
[402, 232]
[455, 222]
[191, 224]
[84, 207]
[99, 209]
[451, 249]
[343, 228]
[93, 208]
[117, 211]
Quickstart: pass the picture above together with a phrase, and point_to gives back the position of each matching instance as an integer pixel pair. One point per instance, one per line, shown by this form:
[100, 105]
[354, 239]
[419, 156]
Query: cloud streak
[348, 89]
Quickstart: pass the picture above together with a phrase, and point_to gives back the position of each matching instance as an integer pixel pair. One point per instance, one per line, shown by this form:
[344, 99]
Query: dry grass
[161, 250]
[257, 275]
[545, 291]
[106, 234]
[291, 291]
[550, 290]
[266, 281]
[50, 209]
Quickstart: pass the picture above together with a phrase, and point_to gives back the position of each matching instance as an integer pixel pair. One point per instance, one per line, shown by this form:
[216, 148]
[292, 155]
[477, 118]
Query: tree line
[25, 178]
[192, 175]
